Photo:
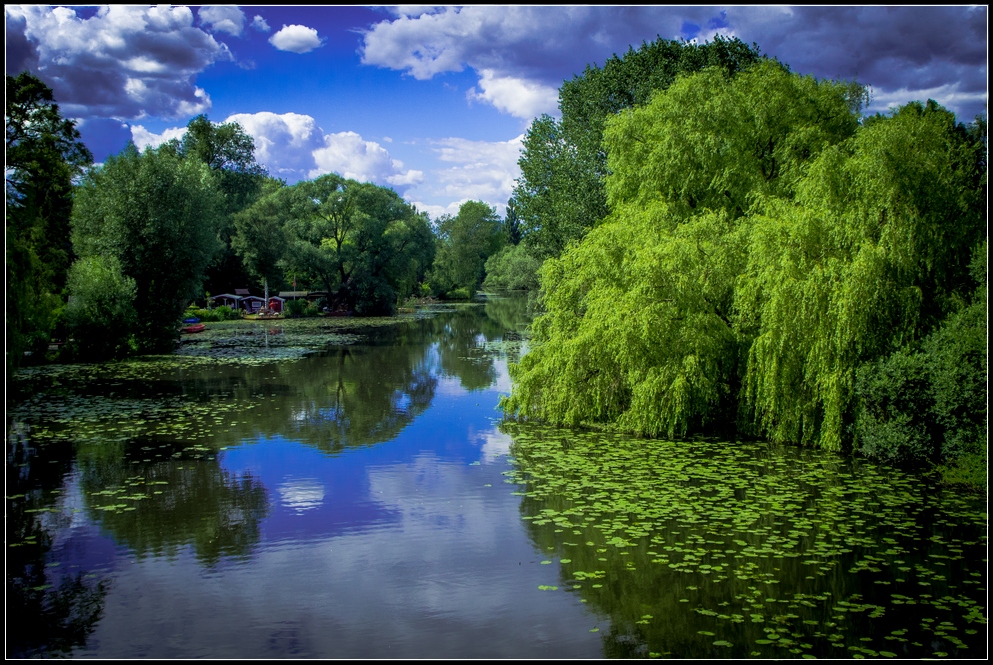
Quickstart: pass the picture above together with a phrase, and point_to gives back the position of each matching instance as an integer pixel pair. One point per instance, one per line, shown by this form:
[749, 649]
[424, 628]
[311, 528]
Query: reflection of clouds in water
[301, 494]
[503, 382]
[495, 445]
[450, 578]
[449, 387]
[401, 401]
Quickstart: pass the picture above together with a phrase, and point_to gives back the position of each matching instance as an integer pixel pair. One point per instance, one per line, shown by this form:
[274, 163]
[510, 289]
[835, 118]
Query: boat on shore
[194, 328]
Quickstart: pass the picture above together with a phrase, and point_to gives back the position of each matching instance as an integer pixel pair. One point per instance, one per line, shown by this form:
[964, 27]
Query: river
[340, 488]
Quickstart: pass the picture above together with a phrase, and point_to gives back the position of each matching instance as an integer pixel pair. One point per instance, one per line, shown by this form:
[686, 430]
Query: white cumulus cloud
[145, 139]
[223, 18]
[260, 24]
[293, 147]
[480, 171]
[296, 38]
[349, 155]
[124, 61]
[284, 143]
[518, 97]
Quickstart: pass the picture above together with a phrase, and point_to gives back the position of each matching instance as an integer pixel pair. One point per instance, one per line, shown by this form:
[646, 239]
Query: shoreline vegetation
[713, 246]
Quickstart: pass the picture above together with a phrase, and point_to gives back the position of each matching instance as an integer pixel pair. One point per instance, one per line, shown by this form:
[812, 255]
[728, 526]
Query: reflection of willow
[157, 508]
[678, 584]
[511, 312]
[49, 611]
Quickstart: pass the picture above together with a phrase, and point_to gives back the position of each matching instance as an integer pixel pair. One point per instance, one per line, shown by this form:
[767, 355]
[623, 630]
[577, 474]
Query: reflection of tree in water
[361, 395]
[156, 508]
[804, 562]
[461, 338]
[511, 313]
[50, 610]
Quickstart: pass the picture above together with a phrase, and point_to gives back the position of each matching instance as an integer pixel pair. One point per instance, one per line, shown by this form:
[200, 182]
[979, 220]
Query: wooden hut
[252, 304]
[228, 299]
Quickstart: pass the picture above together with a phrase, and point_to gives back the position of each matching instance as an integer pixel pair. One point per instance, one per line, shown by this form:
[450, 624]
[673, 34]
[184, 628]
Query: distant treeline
[110, 256]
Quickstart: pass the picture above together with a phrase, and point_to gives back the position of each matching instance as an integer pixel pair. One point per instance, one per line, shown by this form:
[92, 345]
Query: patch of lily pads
[743, 549]
[252, 342]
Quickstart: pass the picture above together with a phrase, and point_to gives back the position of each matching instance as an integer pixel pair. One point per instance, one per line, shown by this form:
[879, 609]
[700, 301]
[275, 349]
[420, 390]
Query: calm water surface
[304, 489]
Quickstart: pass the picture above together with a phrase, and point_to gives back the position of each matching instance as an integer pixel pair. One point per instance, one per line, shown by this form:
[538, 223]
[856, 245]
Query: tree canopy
[363, 243]
[229, 152]
[43, 154]
[156, 215]
[762, 246]
[560, 194]
[465, 242]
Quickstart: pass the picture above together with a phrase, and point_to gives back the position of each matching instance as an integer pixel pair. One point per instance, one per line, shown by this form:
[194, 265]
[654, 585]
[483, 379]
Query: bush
[512, 269]
[894, 423]
[222, 313]
[299, 308]
[461, 293]
[100, 315]
[931, 404]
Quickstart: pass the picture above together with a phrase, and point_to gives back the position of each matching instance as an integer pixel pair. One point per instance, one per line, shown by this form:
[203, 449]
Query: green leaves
[158, 216]
[363, 243]
[560, 193]
[43, 154]
[761, 247]
[465, 242]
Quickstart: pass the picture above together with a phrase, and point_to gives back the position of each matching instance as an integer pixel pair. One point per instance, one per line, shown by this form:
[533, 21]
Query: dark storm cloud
[546, 44]
[904, 53]
[889, 48]
[21, 53]
[124, 62]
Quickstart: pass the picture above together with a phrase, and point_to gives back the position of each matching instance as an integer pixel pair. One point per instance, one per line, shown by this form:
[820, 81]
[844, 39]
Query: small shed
[252, 304]
[228, 299]
[276, 304]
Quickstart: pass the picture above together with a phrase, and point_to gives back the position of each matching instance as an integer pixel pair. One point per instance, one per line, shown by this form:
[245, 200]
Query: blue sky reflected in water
[412, 547]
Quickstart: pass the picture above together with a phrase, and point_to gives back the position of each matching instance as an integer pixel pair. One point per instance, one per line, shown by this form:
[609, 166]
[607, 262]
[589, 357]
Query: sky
[434, 101]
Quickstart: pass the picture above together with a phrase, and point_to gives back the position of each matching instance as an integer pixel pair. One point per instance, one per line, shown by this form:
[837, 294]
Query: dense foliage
[762, 247]
[362, 243]
[156, 216]
[230, 154]
[560, 194]
[43, 153]
[513, 268]
[465, 242]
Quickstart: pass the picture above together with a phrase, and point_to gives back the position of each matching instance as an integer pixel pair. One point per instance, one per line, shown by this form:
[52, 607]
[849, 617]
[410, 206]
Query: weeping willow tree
[761, 245]
[868, 258]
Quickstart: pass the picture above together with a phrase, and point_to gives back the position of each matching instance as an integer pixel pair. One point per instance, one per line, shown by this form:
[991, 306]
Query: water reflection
[720, 550]
[51, 609]
[159, 508]
[347, 503]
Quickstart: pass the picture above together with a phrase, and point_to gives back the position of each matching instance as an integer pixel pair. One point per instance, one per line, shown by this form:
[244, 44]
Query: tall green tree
[43, 155]
[260, 234]
[640, 329]
[229, 152]
[869, 256]
[156, 214]
[770, 258]
[363, 243]
[465, 242]
[560, 194]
